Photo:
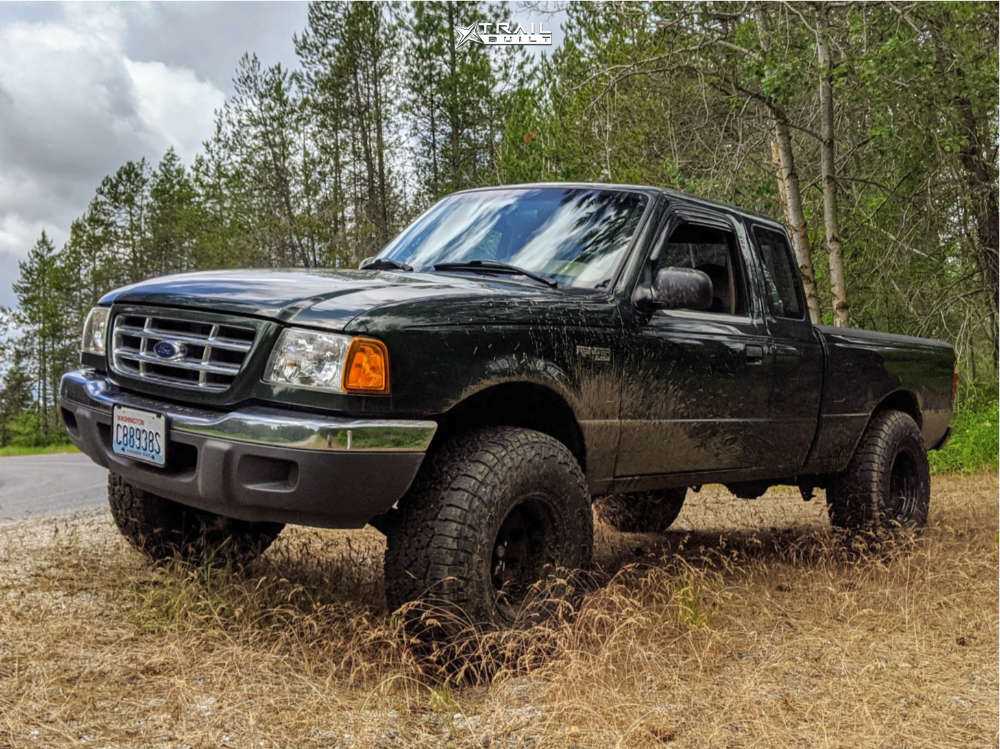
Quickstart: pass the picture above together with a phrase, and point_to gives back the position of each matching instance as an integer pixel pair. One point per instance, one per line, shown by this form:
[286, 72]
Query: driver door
[696, 383]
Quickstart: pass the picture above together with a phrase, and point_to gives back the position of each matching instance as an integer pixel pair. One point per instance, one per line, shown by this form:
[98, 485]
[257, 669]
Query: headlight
[329, 361]
[95, 331]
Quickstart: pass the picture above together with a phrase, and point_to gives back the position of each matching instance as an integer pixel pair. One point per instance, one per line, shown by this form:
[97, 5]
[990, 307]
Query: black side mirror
[677, 288]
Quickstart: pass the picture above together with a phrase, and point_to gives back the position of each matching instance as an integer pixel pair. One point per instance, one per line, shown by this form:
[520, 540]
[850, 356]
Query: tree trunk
[383, 189]
[791, 198]
[828, 168]
[453, 122]
[783, 156]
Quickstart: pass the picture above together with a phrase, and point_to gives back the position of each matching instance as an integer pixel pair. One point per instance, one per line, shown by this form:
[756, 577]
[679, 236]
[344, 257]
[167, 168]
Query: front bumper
[256, 463]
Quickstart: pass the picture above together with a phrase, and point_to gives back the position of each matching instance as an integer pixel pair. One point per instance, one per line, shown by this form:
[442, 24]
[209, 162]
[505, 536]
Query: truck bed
[866, 369]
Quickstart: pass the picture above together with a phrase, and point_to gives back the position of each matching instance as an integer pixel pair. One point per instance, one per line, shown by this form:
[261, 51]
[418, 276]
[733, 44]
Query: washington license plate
[139, 434]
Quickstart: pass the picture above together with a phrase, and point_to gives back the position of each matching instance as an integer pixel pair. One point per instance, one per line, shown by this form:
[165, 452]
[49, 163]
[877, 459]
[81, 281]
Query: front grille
[198, 353]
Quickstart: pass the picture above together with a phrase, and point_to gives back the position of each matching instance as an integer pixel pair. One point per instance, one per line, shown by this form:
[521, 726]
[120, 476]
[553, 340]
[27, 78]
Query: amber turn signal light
[367, 369]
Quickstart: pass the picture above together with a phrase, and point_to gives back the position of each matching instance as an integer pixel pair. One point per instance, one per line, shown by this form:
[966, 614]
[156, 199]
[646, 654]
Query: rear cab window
[781, 280]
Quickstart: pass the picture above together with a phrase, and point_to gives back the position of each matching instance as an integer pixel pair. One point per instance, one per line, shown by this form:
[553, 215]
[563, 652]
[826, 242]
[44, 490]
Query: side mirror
[677, 288]
[365, 262]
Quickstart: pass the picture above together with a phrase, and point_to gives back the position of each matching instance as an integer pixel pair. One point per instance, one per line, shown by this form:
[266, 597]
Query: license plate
[139, 434]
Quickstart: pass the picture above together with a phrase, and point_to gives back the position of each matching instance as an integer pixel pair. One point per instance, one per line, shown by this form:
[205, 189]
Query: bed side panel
[865, 368]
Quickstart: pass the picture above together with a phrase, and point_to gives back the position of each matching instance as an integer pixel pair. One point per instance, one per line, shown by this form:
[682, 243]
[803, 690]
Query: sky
[86, 87]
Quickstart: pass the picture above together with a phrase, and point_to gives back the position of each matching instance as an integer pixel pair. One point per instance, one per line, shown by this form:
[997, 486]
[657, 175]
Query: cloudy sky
[85, 87]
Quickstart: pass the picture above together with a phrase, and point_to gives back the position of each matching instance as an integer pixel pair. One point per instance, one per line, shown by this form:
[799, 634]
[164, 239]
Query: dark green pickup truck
[514, 355]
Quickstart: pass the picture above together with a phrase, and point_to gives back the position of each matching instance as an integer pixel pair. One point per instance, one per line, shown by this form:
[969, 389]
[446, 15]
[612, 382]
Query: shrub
[973, 445]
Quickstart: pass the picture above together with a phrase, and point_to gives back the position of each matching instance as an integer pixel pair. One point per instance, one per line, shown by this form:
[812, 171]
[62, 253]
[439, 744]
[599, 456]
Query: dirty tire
[644, 512]
[886, 486]
[164, 530]
[469, 498]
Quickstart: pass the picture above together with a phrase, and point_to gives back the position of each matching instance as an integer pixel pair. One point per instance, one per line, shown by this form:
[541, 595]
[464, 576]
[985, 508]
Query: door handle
[787, 355]
[754, 353]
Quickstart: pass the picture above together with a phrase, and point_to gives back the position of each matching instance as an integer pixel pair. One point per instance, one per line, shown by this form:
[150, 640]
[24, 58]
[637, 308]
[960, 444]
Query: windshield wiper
[491, 266]
[384, 263]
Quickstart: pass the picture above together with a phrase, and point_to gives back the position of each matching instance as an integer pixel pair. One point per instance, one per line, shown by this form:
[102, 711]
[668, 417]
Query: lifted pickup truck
[514, 355]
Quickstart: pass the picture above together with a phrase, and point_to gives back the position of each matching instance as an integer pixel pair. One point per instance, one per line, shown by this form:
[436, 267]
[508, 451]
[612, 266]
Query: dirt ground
[748, 625]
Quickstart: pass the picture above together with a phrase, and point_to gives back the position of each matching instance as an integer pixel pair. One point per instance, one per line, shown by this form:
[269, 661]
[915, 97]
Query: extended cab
[514, 355]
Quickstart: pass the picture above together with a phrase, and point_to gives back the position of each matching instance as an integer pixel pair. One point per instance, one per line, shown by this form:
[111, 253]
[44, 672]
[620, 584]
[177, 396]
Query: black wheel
[887, 484]
[646, 512]
[163, 529]
[491, 513]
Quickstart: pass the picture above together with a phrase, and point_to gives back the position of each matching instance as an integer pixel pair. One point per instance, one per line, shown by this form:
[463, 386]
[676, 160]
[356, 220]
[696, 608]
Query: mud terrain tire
[645, 512]
[886, 486]
[164, 530]
[491, 512]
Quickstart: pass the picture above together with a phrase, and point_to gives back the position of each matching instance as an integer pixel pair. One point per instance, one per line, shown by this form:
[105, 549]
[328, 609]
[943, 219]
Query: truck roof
[648, 189]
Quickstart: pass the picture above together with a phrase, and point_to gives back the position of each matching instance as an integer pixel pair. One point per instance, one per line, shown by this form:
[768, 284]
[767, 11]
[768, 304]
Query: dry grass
[746, 626]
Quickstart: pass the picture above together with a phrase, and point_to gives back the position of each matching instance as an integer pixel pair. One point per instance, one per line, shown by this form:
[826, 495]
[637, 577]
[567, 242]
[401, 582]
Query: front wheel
[886, 486]
[163, 529]
[493, 512]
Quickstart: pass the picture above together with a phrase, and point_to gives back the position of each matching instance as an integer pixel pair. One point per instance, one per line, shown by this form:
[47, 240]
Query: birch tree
[828, 167]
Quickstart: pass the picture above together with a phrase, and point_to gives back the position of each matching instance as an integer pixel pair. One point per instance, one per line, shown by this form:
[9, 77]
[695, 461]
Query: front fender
[522, 368]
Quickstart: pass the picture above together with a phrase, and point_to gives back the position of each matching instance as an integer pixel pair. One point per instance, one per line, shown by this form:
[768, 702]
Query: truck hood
[322, 298]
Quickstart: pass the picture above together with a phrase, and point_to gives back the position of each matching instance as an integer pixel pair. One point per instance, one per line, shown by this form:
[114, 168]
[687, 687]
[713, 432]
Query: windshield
[575, 236]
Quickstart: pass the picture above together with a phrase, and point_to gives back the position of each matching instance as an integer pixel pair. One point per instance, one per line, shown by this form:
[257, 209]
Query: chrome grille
[202, 354]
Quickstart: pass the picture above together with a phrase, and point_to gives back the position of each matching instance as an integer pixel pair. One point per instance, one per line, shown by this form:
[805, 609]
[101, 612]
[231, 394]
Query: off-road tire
[163, 529]
[442, 540]
[886, 486]
[645, 512]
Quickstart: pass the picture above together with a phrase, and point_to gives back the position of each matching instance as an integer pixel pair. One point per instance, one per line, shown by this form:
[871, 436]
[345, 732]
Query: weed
[750, 624]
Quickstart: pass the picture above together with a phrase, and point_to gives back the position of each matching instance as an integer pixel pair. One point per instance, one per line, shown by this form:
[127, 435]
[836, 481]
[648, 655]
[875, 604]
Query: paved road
[49, 484]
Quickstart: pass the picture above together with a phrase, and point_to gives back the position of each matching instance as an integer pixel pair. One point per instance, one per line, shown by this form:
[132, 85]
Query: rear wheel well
[901, 400]
[524, 405]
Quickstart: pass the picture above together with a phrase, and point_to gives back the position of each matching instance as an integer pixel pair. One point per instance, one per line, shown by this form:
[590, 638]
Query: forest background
[870, 129]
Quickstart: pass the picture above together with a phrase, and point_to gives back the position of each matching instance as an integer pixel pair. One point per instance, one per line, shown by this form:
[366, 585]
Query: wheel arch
[529, 405]
[900, 400]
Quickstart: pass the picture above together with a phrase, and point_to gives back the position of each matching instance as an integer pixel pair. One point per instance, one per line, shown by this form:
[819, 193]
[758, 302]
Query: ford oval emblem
[169, 349]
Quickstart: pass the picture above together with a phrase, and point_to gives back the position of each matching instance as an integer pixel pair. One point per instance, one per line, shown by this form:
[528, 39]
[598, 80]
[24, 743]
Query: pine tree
[175, 221]
[450, 99]
[39, 312]
[347, 53]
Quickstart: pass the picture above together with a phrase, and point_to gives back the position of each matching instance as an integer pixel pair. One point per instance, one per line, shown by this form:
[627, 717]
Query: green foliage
[12, 451]
[320, 166]
[25, 430]
[974, 444]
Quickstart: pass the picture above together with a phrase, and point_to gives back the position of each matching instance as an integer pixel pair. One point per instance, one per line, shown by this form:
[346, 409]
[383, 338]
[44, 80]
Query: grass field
[11, 451]
[747, 626]
[974, 444]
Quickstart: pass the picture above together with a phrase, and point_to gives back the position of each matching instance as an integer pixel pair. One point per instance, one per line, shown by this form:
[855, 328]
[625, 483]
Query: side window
[779, 273]
[714, 252]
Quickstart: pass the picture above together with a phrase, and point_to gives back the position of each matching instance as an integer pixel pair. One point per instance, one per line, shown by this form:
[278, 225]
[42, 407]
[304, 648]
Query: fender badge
[594, 353]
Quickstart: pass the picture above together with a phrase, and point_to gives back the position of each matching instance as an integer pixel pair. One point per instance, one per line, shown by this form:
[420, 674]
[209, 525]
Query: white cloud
[175, 104]
[85, 87]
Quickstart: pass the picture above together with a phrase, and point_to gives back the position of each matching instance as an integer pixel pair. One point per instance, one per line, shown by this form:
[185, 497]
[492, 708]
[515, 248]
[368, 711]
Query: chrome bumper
[257, 425]
[256, 463]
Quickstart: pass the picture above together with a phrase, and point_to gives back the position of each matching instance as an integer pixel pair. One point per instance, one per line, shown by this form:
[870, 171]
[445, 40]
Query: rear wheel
[492, 513]
[886, 486]
[163, 529]
[646, 512]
